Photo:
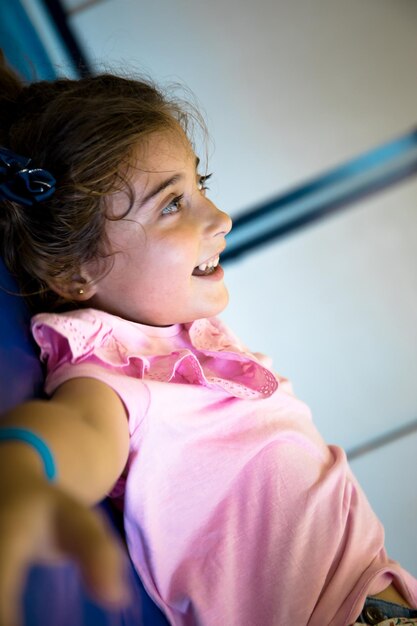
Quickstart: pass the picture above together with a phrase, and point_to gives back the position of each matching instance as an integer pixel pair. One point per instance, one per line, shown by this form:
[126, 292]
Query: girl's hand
[39, 521]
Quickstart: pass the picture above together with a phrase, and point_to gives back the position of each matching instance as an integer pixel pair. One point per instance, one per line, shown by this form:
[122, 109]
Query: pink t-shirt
[236, 511]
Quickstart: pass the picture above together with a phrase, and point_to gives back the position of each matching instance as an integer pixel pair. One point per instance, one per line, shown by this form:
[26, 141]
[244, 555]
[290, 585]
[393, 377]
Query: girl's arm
[85, 426]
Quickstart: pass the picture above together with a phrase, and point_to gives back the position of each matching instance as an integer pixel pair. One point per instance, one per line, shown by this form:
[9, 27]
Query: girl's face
[171, 229]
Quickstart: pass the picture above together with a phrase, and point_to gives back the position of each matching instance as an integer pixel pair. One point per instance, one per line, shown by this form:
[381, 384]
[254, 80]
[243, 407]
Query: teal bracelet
[23, 434]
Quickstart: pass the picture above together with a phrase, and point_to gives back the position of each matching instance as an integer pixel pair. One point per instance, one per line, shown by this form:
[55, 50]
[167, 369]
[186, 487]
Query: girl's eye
[173, 207]
[202, 182]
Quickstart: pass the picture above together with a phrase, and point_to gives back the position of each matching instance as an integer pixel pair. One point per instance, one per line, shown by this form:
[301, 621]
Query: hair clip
[21, 183]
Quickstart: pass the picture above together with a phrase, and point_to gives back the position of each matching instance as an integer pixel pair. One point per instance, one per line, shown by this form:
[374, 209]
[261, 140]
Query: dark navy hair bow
[21, 183]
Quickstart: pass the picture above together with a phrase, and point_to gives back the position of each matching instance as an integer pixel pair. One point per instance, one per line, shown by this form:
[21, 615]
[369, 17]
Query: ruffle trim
[212, 360]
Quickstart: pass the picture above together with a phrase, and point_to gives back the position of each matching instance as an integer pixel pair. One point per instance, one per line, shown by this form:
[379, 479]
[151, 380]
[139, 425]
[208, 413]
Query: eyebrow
[164, 184]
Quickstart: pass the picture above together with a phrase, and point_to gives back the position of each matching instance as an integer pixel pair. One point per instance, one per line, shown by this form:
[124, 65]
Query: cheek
[162, 275]
[174, 255]
[126, 238]
[133, 252]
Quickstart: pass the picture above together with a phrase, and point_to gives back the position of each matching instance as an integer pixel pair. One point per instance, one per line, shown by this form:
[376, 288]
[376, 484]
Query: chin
[219, 307]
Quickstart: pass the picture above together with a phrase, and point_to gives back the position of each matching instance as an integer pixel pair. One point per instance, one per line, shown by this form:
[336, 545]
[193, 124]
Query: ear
[80, 289]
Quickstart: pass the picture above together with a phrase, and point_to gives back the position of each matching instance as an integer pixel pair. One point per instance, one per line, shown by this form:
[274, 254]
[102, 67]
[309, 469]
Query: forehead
[163, 152]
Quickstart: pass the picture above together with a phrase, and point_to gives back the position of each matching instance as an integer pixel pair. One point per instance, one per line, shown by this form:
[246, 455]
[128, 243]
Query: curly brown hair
[85, 133]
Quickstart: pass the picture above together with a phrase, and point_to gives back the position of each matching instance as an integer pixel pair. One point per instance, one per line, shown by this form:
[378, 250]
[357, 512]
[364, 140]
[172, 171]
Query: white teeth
[210, 264]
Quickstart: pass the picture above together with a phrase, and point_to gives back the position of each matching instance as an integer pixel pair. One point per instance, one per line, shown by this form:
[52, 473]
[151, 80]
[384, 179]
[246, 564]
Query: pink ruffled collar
[207, 354]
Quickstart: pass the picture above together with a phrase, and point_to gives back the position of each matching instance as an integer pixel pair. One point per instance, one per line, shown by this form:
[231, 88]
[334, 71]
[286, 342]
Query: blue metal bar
[60, 18]
[340, 187]
[382, 440]
[21, 44]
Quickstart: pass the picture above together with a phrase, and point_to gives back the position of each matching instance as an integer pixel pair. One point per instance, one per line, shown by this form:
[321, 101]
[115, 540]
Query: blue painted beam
[337, 189]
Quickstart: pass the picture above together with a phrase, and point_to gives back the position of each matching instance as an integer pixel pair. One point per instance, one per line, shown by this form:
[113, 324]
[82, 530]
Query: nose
[218, 222]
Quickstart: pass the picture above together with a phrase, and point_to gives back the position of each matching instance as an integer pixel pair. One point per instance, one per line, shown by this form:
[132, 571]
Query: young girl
[236, 512]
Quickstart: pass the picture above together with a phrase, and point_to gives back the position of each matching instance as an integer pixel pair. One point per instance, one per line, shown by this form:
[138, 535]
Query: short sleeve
[80, 344]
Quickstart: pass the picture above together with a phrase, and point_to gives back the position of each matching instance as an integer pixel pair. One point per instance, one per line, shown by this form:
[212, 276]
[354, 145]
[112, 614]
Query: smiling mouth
[208, 267]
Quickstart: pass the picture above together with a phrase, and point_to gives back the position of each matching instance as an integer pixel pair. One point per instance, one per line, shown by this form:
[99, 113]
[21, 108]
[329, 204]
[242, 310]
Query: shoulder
[90, 344]
[74, 335]
[214, 334]
[71, 324]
